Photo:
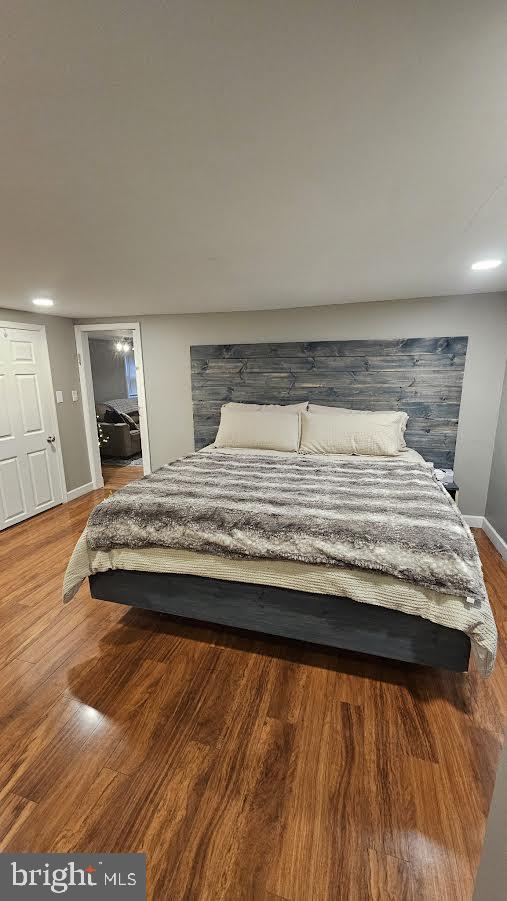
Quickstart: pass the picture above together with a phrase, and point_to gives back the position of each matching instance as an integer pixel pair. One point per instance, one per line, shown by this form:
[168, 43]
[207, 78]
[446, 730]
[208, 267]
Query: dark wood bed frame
[322, 619]
[420, 375]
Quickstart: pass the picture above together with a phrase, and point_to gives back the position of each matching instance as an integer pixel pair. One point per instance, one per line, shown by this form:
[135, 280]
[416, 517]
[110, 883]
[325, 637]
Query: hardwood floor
[117, 476]
[244, 767]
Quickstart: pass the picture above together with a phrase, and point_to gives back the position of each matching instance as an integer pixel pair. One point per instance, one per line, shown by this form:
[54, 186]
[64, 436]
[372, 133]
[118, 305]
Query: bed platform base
[336, 622]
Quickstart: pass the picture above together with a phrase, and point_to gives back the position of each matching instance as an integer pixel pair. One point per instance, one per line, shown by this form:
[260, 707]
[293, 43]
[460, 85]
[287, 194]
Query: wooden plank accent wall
[422, 376]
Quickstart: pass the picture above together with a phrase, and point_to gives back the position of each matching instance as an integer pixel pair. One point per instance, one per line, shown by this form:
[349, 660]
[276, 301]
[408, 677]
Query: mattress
[409, 455]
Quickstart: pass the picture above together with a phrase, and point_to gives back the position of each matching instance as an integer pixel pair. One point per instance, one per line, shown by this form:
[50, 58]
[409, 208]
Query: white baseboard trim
[77, 492]
[495, 538]
[474, 521]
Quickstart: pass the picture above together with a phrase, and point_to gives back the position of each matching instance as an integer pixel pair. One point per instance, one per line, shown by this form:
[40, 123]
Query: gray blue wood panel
[422, 376]
[323, 619]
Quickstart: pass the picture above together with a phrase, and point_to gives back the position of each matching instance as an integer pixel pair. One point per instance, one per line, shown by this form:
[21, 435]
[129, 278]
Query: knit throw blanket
[389, 516]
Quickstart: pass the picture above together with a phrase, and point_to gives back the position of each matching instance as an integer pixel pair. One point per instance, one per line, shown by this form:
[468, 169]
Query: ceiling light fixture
[43, 301]
[122, 346]
[480, 265]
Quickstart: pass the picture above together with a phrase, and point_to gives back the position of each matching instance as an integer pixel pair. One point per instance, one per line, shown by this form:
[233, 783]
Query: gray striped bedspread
[387, 516]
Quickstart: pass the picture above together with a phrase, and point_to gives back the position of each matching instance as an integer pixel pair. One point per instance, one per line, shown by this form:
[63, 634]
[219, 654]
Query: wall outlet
[74, 396]
[59, 397]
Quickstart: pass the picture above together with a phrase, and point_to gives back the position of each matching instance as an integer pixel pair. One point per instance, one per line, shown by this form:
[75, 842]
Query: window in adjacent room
[130, 375]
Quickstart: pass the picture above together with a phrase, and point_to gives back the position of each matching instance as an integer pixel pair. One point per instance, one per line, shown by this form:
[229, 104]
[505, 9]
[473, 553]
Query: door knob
[51, 439]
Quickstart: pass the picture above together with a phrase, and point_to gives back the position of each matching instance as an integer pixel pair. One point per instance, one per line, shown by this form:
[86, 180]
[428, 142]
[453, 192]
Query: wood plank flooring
[116, 476]
[245, 768]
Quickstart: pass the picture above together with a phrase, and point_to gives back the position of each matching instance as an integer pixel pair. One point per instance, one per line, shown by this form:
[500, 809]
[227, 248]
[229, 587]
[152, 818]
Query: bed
[196, 540]
[193, 563]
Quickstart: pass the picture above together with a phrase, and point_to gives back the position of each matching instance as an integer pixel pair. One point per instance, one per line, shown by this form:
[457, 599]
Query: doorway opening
[112, 385]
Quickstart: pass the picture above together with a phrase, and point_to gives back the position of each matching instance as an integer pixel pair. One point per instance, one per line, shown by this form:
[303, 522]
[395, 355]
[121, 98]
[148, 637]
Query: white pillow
[398, 416]
[268, 408]
[349, 433]
[267, 430]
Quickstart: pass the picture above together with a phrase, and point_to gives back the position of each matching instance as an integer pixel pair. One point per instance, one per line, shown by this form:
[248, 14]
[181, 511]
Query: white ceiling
[249, 154]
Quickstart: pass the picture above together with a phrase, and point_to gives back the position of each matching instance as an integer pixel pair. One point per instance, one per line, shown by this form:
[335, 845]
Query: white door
[29, 472]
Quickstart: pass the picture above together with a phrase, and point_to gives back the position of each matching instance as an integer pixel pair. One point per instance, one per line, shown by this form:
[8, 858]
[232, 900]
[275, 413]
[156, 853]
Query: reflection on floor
[244, 766]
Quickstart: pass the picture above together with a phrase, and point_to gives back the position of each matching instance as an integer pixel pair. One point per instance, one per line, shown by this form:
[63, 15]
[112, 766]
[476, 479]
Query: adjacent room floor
[109, 462]
[244, 767]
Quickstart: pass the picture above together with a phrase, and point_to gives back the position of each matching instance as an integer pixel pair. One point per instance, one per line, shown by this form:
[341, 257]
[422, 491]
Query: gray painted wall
[64, 371]
[166, 348]
[496, 509]
[492, 875]
[483, 317]
[108, 371]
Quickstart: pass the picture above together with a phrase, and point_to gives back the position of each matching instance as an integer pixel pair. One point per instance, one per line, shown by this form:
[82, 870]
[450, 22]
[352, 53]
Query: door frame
[83, 333]
[46, 366]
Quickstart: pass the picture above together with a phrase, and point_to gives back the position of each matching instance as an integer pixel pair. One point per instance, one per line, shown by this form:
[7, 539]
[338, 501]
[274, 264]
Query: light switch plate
[74, 396]
[59, 397]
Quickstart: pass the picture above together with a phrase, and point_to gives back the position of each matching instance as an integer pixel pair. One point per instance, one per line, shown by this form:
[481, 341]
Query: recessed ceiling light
[43, 302]
[486, 264]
